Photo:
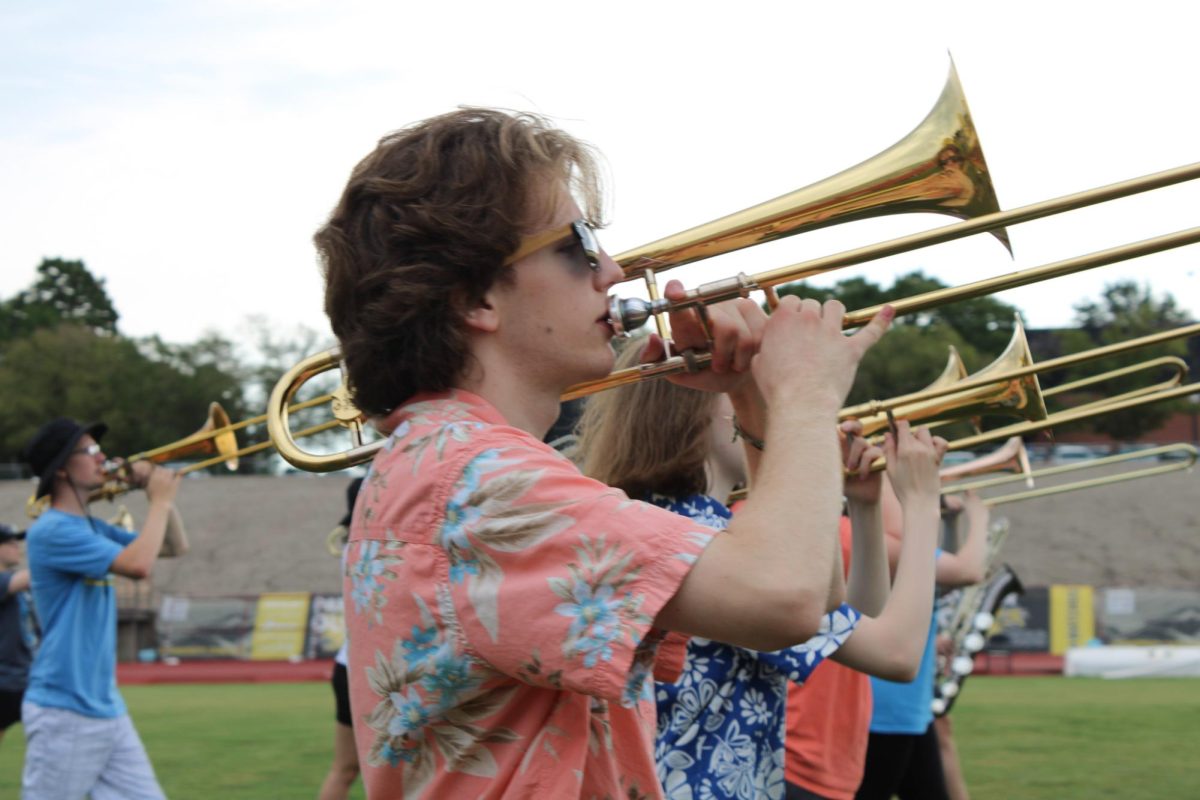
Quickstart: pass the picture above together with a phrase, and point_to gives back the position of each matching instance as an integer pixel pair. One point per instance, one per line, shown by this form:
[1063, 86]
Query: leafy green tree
[64, 291]
[1124, 311]
[986, 323]
[149, 393]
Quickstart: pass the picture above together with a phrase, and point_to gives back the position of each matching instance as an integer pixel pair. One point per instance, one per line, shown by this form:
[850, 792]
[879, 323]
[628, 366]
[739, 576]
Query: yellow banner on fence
[280, 624]
[1072, 618]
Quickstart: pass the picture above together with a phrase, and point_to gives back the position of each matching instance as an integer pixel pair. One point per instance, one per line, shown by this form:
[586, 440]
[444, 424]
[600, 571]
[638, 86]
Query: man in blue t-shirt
[16, 628]
[79, 738]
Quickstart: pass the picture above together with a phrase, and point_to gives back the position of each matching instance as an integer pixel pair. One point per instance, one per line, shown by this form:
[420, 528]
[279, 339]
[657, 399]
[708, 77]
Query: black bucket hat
[8, 534]
[50, 447]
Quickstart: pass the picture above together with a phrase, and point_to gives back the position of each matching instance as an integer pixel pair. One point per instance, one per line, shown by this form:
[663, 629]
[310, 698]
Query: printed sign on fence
[326, 626]
[1072, 618]
[279, 626]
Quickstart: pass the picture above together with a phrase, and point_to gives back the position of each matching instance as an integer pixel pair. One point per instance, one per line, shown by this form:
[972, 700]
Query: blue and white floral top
[721, 724]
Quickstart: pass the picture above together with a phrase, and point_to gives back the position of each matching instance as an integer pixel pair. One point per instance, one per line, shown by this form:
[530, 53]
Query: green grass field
[1034, 738]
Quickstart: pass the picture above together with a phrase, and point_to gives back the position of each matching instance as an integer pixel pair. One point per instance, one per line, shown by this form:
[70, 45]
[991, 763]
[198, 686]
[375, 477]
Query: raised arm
[765, 583]
[967, 566]
[138, 557]
[870, 581]
[891, 644]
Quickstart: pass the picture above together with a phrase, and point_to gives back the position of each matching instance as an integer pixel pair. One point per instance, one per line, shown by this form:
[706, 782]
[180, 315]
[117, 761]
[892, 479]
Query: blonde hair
[648, 437]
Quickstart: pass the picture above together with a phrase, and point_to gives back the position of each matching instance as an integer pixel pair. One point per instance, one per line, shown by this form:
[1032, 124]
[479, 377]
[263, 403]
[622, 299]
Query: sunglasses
[91, 450]
[585, 237]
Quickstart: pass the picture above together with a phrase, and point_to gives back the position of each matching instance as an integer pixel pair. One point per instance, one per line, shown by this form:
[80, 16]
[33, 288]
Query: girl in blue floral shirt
[721, 724]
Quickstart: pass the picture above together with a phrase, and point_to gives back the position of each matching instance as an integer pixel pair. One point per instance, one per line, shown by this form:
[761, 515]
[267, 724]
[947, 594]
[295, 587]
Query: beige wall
[256, 534]
[248, 534]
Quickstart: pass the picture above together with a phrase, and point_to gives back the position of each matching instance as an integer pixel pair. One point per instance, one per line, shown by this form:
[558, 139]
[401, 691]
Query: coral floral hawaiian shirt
[499, 609]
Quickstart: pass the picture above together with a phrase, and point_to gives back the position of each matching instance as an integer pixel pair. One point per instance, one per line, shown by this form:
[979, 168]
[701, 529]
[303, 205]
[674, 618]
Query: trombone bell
[937, 168]
[1020, 396]
[1009, 457]
[215, 437]
[204, 442]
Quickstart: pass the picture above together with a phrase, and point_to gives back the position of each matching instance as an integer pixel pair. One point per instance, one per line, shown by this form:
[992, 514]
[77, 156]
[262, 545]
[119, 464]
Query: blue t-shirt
[907, 707]
[75, 665]
[721, 724]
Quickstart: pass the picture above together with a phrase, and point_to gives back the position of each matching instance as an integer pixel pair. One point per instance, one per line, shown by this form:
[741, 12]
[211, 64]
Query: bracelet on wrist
[740, 433]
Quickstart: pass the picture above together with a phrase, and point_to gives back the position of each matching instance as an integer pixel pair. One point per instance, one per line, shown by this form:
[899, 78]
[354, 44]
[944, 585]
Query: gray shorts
[68, 756]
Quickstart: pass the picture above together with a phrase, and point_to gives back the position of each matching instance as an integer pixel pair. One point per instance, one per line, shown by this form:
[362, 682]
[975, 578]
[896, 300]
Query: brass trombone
[1000, 387]
[937, 168]
[888, 192]
[632, 313]
[1187, 462]
[216, 438]
[1011, 457]
[1009, 385]
[998, 382]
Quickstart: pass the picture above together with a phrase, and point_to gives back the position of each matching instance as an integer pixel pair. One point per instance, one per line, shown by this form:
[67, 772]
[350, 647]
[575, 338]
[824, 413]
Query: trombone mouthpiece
[626, 316]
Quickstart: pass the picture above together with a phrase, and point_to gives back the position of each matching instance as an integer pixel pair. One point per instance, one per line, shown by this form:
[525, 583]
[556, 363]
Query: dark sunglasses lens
[589, 243]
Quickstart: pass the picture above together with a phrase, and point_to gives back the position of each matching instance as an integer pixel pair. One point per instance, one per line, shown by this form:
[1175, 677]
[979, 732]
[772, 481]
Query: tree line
[62, 354]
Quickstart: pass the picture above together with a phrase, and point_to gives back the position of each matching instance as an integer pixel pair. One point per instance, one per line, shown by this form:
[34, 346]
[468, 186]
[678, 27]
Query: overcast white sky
[187, 150]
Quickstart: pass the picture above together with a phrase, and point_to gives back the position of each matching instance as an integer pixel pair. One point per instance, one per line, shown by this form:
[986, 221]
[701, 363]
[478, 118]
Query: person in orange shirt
[828, 719]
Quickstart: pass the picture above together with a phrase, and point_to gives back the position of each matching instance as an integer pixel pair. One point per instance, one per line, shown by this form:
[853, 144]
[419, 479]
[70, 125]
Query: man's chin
[601, 368]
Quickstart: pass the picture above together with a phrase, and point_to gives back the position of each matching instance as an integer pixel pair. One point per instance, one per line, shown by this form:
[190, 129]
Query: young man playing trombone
[79, 738]
[504, 611]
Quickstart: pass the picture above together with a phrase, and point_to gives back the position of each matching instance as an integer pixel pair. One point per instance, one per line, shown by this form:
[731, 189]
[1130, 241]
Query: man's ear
[480, 314]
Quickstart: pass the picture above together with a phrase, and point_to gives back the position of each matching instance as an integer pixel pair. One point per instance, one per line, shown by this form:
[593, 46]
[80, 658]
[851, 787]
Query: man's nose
[610, 272]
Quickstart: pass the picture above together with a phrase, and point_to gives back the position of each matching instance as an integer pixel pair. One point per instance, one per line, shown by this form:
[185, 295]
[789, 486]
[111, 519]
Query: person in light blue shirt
[79, 738]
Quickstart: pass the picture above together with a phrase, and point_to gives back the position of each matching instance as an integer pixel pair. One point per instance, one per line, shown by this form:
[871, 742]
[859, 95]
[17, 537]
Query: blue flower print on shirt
[368, 569]
[595, 620]
[410, 713]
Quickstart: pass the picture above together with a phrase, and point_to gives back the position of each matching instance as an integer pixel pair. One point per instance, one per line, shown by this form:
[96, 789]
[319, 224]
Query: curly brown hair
[421, 234]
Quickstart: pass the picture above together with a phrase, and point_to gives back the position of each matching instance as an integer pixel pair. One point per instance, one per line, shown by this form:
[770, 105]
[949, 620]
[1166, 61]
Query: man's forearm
[910, 605]
[138, 557]
[973, 553]
[791, 517]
